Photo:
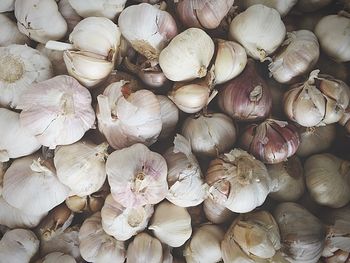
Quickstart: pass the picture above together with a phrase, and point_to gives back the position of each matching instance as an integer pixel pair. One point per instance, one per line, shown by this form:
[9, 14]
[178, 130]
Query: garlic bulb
[40, 20]
[142, 181]
[18, 246]
[259, 29]
[319, 101]
[122, 223]
[238, 181]
[58, 257]
[56, 58]
[209, 134]
[315, 139]
[171, 224]
[96, 246]
[21, 66]
[7, 5]
[105, 8]
[186, 185]
[299, 54]
[334, 36]
[345, 120]
[187, 56]
[217, 213]
[57, 111]
[69, 14]
[288, 180]
[283, 7]
[143, 249]
[15, 141]
[3, 168]
[302, 234]
[147, 28]
[169, 114]
[312, 5]
[81, 166]
[30, 184]
[9, 33]
[232, 253]
[271, 141]
[126, 117]
[328, 179]
[207, 14]
[204, 245]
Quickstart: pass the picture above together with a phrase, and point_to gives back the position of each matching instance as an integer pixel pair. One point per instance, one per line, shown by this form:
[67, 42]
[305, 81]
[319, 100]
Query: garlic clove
[9, 33]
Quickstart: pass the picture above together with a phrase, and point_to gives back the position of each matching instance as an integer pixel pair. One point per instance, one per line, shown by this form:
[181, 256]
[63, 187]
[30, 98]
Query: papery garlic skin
[142, 181]
[58, 257]
[171, 224]
[105, 8]
[57, 111]
[9, 33]
[21, 66]
[169, 116]
[147, 28]
[187, 56]
[69, 14]
[56, 58]
[7, 5]
[283, 7]
[40, 20]
[217, 213]
[122, 223]
[334, 36]
[259, 29]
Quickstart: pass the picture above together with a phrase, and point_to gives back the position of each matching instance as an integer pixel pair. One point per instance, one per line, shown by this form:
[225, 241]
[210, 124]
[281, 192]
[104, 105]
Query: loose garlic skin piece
[105, 8]
[259, 29]
[7, 6]
[21, 66]
[171, 224]
[57, 257]
[187, 56]
[9, 33]
[40, 20]
[283, 7]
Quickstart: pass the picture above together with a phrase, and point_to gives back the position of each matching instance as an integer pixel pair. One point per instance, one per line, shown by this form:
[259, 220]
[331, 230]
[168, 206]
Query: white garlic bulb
[69, 14]
[15, 141]
[334, 36]
[187, 56]
[169, 114]
[122, 222]
[58, 257]
[40, 20]
[105, 8]
[21, 67]
[147, 28]
[30, 184]
[283, 7]
[57, 111]
[171, 224]
[137, 176]
[9, 33]
[185, 180]
[300, 52]
[204, 246]
[7, 5]
[216, 212]
[81, 166]
[56, 58]
[18, 246]
[259, 29]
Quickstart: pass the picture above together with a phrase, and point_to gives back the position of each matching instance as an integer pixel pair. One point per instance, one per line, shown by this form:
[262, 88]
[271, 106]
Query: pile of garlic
[174, 131]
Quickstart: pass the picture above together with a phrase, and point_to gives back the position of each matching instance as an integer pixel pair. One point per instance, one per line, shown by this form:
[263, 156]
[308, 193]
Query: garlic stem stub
[104, 8]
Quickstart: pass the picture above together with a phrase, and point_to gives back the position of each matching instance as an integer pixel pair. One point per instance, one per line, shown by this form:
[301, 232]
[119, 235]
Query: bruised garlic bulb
[69, 14]
[328, 179]
[7, 5]
[105, 8]
[186, 185]
[21, 67]
[187, 56]
[209, 134]
[9, 33]
[126, 117]
[15, 141]
[299, 54]
[58, 257]
[169, 114]
[96, 246]
[57, 111]
[137, 176]
[122, 223]
[217, 213]
[283, 7]
[40, 20]
[56, 58]
[204, 246]
[147, 28]
[259, 29]
[238, 181]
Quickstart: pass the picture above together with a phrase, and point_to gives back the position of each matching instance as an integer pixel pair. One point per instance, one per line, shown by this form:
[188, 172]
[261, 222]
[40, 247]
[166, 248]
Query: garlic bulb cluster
[299, 55]
[7, 5]
[319, 101]
[204, 245]
[217, 213]
[334, 36]
[21, 67]
[9, 33]
[147, 28]
[40, 20]
[57, 257]
[259, 29]
[126, 117]
[238, 181]
[121, 222]
[142, 181]
[69, 14]
[283, 7]
[209, 134]
[328, 179]
[15, 141]
[57, 111]
[171, 224]
[169, 114]
[187, 56]
[105, 8]
[55, 57]
[186, 185]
